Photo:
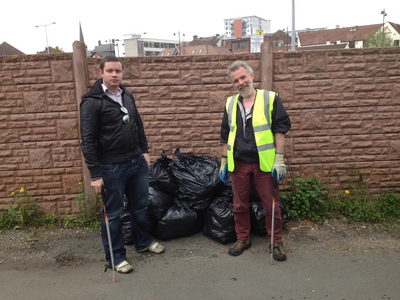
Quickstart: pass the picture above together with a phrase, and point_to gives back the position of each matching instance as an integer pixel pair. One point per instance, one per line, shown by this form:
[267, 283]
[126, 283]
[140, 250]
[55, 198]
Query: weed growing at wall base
[311, 199]
[306, 199]
[23, 208]
[24, 212]
[89, 208]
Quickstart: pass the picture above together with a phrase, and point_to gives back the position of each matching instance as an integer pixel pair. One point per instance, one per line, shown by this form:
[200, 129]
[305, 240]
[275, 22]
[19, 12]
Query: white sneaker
[124, 267]
[156, 247]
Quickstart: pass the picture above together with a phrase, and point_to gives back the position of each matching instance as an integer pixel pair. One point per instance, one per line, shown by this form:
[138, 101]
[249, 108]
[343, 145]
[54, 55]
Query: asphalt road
[202, 274]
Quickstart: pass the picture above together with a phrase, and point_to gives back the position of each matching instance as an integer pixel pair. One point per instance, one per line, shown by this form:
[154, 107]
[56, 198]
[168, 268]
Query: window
[237, 45]
[194, 51]
[162, 54]
[146, 44]
[169, 53]
[243, 45]
[156, 45]
[201, 50]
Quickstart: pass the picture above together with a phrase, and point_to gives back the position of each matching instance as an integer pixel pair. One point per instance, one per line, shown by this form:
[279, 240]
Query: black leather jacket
[106, 138]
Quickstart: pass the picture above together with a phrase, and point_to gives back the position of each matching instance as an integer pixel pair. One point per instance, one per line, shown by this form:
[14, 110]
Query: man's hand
[279, 169]
[97, 184]
[147, 158]
[224, 169]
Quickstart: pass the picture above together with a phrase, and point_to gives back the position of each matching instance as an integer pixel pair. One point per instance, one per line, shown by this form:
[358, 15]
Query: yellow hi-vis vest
[262, 116]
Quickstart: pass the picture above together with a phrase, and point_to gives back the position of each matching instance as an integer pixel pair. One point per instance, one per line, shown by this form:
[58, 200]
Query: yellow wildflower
[347, 192]
[80, 183]
[12, 194]
[22, 190]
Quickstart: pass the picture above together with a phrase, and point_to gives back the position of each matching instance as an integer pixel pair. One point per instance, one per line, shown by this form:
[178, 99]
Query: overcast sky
[104, 20]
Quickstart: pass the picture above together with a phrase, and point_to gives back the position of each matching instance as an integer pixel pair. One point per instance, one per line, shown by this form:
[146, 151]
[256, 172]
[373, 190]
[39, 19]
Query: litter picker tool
[110, 244]
[273, 218]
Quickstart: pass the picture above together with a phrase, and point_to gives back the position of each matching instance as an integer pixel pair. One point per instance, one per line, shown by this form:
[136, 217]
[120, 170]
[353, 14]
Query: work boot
[279, 252]
[239, 247]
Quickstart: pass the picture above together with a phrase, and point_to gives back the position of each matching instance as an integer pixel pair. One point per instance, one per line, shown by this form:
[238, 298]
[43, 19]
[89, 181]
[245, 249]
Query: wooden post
[267, 67]
[81, 87]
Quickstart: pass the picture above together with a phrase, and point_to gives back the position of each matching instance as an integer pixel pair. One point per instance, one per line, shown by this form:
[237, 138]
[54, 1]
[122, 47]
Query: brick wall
[180, 99]
[345, 112]
[39, 146]
[344, 106]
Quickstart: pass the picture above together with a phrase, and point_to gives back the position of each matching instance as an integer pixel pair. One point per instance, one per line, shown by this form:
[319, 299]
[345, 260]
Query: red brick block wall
[344, 107]
[345, 112]
[180, 99]
[39, 147]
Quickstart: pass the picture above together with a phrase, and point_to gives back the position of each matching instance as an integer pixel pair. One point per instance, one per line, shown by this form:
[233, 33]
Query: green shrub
[306, 199]
[389, 206]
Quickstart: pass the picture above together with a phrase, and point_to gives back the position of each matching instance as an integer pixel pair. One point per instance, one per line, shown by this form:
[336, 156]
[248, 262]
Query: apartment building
[246, 26]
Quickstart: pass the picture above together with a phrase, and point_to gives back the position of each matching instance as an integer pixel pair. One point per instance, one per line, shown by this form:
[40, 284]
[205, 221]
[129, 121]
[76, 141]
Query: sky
[104, 20]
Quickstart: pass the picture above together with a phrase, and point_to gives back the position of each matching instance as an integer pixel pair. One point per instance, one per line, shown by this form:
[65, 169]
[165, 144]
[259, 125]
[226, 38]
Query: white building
[246, 26]
[136, 45]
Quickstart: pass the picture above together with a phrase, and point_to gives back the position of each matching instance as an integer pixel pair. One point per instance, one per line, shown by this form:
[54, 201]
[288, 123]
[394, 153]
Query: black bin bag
[160, 176]
[178, 222]
[197, 178]
[219, 223]
[257, 216]
[126, 228]
[160, 202]
[226, 188]
[126, 224]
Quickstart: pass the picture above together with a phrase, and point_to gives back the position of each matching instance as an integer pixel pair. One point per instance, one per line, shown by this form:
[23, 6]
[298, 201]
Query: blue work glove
[224, 169]
[279, 169]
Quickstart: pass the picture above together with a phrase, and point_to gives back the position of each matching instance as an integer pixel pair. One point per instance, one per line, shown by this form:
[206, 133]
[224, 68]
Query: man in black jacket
[115, 149]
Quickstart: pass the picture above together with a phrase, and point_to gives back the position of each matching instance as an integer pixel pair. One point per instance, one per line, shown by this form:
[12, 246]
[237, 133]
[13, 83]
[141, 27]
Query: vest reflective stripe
[266, 147]
[262, 115]
[231, 109]
[262, 128]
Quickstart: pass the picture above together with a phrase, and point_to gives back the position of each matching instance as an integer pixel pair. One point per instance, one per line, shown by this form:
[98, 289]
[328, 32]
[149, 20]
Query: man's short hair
[108, 59]
[236, 65]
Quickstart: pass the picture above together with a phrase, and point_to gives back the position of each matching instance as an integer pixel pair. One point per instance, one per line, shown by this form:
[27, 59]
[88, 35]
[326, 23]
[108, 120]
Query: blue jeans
[129, 178]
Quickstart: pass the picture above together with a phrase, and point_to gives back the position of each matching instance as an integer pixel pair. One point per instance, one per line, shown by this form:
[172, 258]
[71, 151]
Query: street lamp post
[113, 42]
[179, 39]
[141, 45]
[45, 29]
[293, 28]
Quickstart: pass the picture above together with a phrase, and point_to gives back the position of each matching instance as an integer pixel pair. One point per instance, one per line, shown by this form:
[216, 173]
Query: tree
[57, 50]
[379, 39]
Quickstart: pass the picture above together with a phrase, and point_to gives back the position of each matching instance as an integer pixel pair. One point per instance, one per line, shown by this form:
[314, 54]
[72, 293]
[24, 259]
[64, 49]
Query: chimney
[194, 37]
[99, 43]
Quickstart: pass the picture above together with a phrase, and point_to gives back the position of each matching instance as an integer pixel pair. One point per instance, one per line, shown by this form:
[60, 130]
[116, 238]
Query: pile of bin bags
[187, 196]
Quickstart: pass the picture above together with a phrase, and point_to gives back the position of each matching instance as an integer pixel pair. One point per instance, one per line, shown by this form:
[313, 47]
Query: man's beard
[250, 89]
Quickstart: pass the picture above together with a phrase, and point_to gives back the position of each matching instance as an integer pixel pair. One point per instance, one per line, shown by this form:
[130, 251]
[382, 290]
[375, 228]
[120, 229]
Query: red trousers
[241, 187]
